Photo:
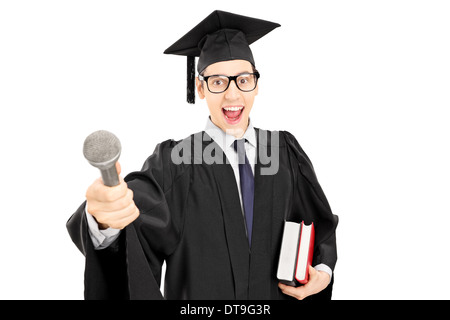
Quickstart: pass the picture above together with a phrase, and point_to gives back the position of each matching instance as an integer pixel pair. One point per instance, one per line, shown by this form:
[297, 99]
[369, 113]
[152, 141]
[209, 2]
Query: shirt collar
[222, 138]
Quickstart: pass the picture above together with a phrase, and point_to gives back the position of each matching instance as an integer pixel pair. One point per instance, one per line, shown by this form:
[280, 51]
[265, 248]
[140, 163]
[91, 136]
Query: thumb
[312, 271]
[118, 168]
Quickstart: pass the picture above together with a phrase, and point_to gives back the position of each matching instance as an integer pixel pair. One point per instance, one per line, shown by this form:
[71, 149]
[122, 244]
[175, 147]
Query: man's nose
[232, 92]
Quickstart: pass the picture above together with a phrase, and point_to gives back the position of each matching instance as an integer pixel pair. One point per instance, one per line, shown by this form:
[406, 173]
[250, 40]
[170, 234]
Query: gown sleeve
[131, 267]
[309, 200]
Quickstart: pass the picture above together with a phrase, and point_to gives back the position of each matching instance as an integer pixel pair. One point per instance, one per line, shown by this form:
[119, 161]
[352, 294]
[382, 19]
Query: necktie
[247, 186]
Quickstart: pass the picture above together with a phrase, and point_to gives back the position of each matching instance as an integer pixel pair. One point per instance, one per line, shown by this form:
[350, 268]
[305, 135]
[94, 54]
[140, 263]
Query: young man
[213, 205]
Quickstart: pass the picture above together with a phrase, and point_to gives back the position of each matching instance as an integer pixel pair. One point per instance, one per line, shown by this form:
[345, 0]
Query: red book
[297, 248]
[305, 253]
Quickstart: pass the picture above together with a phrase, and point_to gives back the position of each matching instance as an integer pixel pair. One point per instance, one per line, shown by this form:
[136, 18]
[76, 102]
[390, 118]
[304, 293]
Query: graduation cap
[221, 36]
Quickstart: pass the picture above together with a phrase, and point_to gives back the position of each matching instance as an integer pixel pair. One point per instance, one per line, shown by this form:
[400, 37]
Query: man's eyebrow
[219, 74]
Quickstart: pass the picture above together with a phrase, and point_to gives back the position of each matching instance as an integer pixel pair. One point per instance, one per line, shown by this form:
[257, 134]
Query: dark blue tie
[247, 186]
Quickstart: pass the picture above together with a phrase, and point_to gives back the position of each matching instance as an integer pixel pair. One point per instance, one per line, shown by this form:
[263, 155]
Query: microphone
[102, 150]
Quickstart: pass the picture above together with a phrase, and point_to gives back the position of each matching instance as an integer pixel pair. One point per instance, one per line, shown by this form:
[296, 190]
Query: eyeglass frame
[230, 78]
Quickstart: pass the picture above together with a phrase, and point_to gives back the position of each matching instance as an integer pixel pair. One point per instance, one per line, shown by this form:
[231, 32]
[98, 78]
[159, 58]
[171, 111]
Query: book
[297, 248]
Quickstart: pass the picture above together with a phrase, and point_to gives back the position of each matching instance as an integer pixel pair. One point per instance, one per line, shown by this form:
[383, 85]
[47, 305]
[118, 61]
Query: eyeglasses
[217, 83]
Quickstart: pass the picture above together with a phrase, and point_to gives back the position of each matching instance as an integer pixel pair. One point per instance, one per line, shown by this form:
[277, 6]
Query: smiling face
[229, 110]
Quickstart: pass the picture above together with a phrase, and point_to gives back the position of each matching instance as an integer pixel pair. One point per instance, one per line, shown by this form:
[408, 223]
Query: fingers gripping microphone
[102, 150]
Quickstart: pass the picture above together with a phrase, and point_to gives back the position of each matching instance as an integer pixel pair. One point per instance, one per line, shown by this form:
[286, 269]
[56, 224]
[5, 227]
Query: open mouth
[233, 113]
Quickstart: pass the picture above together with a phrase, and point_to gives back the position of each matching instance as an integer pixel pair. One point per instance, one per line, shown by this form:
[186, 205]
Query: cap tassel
[191, 79]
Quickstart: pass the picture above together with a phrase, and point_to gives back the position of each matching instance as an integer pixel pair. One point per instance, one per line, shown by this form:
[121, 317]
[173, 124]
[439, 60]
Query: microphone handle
[109, 176]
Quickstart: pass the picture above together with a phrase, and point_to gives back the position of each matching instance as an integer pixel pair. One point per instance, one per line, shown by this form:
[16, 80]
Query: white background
[363, 85]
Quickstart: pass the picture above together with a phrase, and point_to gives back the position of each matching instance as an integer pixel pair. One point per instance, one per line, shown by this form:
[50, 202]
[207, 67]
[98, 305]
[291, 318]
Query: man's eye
[243, 80]
[218, 82]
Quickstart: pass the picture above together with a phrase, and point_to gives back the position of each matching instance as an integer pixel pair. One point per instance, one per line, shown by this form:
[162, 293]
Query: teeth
[233, 108]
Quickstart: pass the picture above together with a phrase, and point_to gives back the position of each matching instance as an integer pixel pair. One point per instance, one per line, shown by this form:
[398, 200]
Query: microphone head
[102, 149]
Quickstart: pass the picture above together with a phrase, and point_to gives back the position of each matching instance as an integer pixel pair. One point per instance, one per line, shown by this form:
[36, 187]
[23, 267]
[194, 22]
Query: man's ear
[199, 85]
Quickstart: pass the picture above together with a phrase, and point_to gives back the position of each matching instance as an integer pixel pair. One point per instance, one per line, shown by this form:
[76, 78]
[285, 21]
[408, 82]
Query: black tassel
[191, 79]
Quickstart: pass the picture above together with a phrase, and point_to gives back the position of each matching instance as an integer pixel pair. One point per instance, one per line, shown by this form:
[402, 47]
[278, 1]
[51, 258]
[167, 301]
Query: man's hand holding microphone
[109, 200]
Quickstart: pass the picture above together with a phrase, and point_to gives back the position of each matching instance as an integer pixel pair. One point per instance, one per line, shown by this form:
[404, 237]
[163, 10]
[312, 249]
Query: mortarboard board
[221, 36]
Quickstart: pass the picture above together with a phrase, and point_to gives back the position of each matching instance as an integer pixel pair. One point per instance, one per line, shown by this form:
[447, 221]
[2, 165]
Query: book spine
[311, 250]
[310, 254]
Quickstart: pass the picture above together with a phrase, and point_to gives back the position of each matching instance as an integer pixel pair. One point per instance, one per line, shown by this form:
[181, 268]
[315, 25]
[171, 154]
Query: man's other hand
[318, 280]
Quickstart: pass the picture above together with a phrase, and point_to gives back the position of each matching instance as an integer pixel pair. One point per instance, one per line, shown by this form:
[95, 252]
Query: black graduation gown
[191, 217]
